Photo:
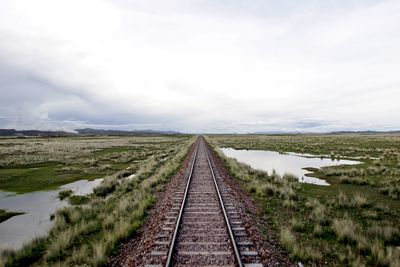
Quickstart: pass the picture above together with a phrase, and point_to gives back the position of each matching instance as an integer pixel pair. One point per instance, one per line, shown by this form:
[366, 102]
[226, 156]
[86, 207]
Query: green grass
[65, 194]
[5, 215]
[36, 164]
[352, 222]
[32, 178]
[78, 200]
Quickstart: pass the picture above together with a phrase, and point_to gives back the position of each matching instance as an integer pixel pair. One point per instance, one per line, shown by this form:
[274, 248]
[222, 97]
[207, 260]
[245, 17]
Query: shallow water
[290, 163]
[82, 187]
[37, 206]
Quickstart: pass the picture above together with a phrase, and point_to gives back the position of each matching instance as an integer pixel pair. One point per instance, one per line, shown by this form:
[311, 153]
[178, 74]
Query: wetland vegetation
[85, 232]
[31, 164]
[5, 215]
[351, 222]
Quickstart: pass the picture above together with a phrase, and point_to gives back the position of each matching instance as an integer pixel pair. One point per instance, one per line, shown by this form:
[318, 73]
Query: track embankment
[202, 218]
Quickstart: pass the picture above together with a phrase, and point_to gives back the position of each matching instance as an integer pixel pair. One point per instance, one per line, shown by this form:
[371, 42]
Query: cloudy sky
[200, 65]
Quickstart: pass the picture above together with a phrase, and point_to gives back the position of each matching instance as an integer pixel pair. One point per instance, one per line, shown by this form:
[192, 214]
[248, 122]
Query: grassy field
[86, 232]
[352, 222]
[32, 164]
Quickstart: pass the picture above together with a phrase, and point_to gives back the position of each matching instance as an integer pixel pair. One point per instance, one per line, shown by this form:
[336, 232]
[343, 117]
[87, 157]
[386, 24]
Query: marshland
[88, 227]
[353, 221]
[286, 114]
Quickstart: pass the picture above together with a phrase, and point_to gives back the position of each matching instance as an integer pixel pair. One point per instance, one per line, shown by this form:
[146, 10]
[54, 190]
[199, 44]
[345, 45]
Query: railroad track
[203, 226]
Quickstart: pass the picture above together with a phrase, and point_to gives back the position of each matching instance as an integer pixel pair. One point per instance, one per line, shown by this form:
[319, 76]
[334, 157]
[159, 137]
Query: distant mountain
[325, 133]
[276, 132]
[86, 131]
[365, 132]
[89, 131]
[13, 132]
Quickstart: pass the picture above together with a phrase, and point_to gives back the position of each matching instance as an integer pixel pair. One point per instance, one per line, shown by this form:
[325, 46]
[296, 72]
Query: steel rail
[178, 222]
[232, 238]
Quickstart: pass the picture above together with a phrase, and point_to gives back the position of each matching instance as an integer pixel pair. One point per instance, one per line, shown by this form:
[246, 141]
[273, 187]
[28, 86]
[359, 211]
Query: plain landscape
[181, 133]
[352, 221]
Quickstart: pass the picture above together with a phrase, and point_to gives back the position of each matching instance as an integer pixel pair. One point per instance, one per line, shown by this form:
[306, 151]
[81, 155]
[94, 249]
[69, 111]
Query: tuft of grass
[297, 252]
[318, 231]
[78, 200]
[370, 214]
[297, 225]
[386, 233]
[290, 177]
[345, 230]
[353, 180]
[318, 213]
[385, 256]
[28, 254]
[360, 201]
[107, 186]
[65, 194]
[391, 191]
[288, 240]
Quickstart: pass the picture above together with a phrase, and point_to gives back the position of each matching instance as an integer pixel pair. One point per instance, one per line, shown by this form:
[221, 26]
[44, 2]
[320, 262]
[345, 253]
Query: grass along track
[351, 222]
[202, 226]
[202, 231]
[86, 234]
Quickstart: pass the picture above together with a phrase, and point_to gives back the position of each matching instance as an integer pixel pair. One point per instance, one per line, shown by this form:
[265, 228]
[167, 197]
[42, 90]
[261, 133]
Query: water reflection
[37, 206]
[290, 163]
[82, 187]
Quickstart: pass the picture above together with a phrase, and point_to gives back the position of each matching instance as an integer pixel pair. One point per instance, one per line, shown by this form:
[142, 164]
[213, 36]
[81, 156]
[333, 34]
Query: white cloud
[205, 65]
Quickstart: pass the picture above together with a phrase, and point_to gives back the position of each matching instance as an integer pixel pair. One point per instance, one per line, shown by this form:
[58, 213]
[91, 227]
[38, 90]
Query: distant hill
[324, 133]
[13, 132]
[86, 131]
[365, 132]
[89, 131]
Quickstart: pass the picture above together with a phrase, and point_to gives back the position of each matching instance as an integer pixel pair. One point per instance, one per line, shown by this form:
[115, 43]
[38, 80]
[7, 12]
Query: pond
[290, 163]
[37, 206]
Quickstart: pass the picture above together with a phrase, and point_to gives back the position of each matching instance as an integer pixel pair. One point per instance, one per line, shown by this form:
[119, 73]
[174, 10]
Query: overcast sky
[200, 66]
